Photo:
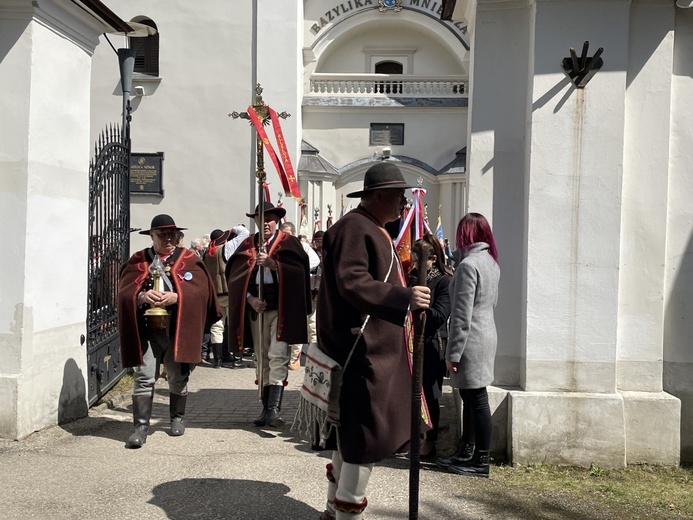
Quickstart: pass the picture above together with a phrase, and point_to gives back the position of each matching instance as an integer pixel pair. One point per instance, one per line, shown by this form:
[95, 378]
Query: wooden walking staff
[416, 383]
[261, 112]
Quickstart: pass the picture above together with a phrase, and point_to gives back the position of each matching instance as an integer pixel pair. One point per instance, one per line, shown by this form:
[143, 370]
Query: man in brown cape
[362, 277]
[285, 305]
[163, 324]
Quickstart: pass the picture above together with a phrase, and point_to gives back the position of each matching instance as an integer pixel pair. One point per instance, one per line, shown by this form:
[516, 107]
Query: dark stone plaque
[385, 134]
[146, 173]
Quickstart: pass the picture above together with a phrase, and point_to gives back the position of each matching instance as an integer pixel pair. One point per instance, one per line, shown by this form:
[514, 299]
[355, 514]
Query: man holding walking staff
[364, 289]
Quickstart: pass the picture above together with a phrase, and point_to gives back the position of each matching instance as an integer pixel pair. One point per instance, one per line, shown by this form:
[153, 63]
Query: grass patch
[123, 386]
[660, 489]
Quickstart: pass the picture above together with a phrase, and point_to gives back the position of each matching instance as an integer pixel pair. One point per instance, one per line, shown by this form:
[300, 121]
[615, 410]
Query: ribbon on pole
[284, 168]
[404, 240]
[420, 223]
[266, 192]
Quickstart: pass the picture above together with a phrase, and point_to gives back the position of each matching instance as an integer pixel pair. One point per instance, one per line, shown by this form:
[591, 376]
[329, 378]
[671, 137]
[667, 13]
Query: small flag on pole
[439, 227]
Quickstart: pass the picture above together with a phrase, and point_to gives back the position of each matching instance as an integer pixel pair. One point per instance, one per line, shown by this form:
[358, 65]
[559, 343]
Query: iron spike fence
[109, 247]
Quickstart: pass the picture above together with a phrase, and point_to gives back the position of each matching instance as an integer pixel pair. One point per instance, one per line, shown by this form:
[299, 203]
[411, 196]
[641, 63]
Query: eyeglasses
[164, 234]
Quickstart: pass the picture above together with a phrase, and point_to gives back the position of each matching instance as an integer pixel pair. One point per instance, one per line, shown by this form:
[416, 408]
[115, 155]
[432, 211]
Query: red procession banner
[284, 168]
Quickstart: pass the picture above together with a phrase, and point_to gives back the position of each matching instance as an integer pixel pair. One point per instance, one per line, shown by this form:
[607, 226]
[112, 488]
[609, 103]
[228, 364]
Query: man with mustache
[166, 302]
[284, 307]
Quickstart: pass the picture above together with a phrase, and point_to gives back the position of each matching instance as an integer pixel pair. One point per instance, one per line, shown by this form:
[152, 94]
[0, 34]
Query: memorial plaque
[385, 134]
[146, 173]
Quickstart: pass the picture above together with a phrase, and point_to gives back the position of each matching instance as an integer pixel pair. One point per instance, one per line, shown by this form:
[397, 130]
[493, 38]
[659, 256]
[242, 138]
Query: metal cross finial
[262, 112]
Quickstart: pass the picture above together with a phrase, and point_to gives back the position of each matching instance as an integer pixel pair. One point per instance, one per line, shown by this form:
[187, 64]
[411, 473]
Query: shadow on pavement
[211, 498]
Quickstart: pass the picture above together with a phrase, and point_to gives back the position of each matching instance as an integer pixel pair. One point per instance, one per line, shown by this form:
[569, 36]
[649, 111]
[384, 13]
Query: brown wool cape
[197, 308]
[294, 288]
[376, 393]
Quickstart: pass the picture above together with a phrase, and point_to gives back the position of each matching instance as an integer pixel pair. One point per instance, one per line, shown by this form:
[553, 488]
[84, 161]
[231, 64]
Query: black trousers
[476, 418]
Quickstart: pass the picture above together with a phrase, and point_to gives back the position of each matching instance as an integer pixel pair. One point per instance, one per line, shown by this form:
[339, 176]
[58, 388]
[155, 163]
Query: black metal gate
[109, 247]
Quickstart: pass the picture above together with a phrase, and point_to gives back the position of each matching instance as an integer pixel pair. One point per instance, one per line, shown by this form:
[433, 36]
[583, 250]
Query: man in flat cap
[166, 302]
[284, 307]
[362, 282]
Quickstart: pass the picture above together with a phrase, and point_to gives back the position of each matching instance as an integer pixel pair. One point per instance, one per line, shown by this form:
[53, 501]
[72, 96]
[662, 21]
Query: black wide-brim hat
[382, 176]
[220, 237]
[162, 222]
[269, 210]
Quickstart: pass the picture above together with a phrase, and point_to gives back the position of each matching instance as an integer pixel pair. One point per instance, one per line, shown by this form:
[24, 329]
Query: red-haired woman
[435, 333]
[472, 340]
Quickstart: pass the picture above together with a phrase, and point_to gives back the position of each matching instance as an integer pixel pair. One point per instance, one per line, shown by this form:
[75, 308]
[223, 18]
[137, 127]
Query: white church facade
[587, 189]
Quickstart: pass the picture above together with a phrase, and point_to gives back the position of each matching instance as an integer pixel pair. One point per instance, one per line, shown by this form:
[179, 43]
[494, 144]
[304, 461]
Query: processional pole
[417, 377]
[261, 111]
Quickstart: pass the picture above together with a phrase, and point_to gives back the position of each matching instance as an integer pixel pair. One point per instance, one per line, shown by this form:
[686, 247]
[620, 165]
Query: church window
[389, 86]
[146, 51]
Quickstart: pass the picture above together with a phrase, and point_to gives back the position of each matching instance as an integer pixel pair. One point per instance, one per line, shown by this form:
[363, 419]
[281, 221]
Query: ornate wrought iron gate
[109, 247]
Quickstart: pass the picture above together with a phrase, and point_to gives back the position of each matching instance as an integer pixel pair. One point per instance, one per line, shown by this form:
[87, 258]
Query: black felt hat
[382, 176]
[162, 222]
[269, 210]
[220, 237]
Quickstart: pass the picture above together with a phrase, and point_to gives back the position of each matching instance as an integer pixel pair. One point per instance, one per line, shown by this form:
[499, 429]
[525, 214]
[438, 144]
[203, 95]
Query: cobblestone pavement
[224, 468]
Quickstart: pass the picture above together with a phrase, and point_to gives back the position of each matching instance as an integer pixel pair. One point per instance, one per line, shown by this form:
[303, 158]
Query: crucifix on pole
[261, 112]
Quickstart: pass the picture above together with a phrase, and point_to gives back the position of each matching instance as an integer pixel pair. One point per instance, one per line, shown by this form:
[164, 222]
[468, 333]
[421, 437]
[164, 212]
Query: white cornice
[69, 21]
[451, 178]
[311, 176]
[496, 5]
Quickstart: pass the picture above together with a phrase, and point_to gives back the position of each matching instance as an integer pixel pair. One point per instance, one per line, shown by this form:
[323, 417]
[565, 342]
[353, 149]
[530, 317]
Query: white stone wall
[594, 228]
[44, 160]
[644, 200]
[207, 70]
[678, 287]
[498, 148]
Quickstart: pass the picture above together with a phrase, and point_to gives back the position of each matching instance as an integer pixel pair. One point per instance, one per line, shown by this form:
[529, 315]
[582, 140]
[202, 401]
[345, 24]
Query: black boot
[217, 353]
[464, 453]
[141, 413]
[262, 419]
[274, 406]
[237, 361]
[177, 410]
[477, 467]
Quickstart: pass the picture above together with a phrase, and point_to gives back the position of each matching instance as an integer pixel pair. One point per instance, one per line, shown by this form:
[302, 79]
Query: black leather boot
[177, 411]
[477, 467]
[141, 413]
[237, 361]
[274, 406]
[464, 453]
[218, 355]
[262, 418]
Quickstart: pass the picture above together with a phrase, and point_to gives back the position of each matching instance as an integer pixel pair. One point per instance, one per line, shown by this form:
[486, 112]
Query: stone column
[548, 166]
[678, 287]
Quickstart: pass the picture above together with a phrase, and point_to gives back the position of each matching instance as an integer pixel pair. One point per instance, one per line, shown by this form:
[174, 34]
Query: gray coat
[472, 339]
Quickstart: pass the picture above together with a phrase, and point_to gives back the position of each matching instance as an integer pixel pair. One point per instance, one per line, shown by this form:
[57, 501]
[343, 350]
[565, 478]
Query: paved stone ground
[224, 468]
